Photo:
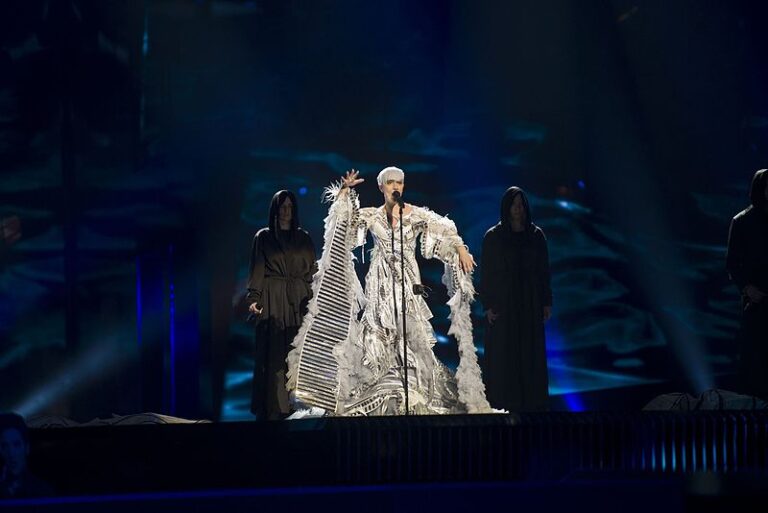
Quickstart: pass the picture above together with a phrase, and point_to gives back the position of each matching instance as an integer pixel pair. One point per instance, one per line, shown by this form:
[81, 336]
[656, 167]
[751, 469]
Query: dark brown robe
[280, 280]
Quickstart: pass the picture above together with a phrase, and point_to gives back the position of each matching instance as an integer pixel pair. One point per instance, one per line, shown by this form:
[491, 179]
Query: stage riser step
[359, 451]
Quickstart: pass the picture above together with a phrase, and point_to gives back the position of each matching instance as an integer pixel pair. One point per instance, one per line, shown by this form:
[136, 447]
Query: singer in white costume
[368, 359]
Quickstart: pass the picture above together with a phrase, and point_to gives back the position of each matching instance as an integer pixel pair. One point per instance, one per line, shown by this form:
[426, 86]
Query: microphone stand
[402, 306]
[392, 270]
[402, 286]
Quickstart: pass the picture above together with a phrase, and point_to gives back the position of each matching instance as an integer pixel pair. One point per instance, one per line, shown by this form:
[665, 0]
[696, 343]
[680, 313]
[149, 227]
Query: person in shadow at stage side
[279, 288]
[16, 480]
[10, 233]
[747, 265]
[516, 294]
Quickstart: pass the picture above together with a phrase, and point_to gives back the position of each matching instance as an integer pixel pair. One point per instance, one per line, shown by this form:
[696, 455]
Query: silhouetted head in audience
[14, 445]
[16, 481]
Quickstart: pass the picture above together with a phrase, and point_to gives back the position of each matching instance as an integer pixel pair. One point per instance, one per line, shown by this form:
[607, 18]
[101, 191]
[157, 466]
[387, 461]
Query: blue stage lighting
[574, 402]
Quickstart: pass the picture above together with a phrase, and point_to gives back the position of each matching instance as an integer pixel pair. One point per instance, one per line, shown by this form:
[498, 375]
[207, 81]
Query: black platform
[515, 448]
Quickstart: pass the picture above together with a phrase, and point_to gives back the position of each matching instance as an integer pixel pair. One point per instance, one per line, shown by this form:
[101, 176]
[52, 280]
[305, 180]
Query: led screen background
[141, 144]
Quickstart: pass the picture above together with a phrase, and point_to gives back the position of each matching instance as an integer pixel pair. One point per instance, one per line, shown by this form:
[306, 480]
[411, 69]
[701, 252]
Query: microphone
[398, 198]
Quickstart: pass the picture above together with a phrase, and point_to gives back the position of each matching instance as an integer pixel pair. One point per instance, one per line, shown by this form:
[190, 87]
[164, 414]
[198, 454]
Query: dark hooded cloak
[747, 264]
[281, 270]
[515, 284]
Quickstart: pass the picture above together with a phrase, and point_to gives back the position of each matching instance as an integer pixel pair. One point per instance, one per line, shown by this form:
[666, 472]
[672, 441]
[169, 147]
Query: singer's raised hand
[350, 179]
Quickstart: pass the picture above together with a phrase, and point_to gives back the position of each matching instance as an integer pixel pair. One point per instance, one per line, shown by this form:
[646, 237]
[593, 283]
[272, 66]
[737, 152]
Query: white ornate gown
[351, 363]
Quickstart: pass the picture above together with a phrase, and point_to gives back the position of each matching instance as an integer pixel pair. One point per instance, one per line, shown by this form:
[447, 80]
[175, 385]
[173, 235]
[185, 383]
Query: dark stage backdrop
[140, 143]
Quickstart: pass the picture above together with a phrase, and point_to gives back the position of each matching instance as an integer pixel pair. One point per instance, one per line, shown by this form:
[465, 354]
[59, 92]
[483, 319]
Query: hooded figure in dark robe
[279, 289]
[516, 294]
[747, 264]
